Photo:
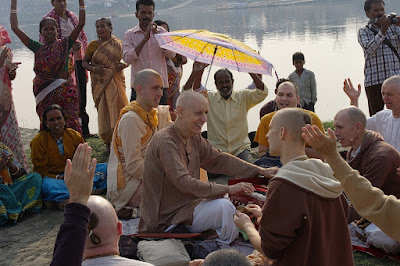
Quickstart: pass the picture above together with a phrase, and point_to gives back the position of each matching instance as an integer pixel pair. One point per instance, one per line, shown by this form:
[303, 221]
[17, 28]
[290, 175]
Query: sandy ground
[31, 241]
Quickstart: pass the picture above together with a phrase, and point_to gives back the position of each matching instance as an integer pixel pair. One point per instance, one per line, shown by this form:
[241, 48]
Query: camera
[392, 17]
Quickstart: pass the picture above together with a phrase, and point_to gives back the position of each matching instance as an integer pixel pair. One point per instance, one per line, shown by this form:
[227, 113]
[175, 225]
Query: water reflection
[326, 32]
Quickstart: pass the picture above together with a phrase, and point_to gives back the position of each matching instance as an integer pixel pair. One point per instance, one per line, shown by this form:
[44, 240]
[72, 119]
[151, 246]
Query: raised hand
[152, 28]
[325, 145]
[78, 176]
[351, 92]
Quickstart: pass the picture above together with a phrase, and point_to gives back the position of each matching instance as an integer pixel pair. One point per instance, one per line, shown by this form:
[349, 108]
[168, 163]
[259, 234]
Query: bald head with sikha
[104, 228]
[285, 134]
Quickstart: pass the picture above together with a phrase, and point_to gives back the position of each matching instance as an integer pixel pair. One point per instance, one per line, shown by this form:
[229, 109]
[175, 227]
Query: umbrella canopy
[214, 48]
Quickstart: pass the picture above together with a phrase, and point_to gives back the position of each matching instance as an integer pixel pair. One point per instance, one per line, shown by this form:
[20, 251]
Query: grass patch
[368, 260]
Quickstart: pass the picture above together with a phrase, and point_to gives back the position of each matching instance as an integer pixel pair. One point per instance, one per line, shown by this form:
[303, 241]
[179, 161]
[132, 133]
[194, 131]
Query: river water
[326, 32]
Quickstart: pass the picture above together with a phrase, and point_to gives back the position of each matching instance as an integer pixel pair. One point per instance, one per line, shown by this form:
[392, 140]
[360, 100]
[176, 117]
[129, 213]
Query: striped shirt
[380, 61]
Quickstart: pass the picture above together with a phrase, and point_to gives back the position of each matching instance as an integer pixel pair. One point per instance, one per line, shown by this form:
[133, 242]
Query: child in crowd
[305, 81]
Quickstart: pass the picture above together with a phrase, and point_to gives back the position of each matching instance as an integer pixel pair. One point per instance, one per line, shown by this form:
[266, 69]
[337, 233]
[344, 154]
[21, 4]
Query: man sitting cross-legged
[305, 213]
[172, 191]
[287, 96]
[138, 122]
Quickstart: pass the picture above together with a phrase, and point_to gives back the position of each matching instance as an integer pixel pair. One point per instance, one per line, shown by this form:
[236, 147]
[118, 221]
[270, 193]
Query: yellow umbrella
[215, 48]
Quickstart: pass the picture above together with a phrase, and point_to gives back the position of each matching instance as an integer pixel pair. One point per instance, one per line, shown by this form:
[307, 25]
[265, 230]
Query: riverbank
[31, 241]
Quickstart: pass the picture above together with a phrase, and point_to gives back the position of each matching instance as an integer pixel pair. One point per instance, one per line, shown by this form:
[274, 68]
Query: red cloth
[4, 37]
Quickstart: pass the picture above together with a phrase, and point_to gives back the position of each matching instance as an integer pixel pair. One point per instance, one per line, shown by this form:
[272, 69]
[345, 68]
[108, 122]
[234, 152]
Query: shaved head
[107, 228]
[354, 115]
[291, 85]
[191, 113]
[293, 119]
[142, 77]
[394, 80]
[188, 98]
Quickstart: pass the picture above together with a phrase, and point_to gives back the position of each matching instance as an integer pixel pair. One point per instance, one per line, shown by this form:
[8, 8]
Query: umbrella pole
[212, 60]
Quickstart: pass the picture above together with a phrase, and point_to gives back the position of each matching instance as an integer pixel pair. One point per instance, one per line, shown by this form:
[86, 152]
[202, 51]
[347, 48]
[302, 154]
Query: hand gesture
[325, 145]
[242, 221]
[120, 66]
[13, 67]
[269, 172]
[352, 93]
[255, 210]
[152, 28]
[241, 188]
[77, 175]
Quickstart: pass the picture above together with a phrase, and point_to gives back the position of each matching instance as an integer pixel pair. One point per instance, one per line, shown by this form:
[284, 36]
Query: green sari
[23, 194]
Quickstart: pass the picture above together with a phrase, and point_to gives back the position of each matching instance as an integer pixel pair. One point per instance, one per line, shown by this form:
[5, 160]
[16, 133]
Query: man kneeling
[172, 191]
[304, 220]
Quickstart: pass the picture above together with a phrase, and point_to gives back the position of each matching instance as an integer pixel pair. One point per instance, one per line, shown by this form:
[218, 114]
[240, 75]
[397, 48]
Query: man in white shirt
[385, 122]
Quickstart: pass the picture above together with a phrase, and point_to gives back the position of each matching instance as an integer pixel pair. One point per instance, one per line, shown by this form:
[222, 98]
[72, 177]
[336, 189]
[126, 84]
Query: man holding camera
[380, 40]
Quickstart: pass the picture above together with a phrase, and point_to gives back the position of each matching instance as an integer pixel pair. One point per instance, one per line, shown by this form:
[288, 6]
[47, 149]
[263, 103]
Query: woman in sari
[52, 83]
[8, 120]
[19, 191]
[103, 60]
[50, 149]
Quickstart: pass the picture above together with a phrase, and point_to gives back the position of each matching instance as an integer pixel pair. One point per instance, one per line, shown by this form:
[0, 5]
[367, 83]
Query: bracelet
[13, 11]
[83, 8]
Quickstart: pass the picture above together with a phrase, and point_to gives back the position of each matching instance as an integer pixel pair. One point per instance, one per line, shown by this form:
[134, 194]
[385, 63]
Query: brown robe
[171, 178]
[377, 161]
[299, 227]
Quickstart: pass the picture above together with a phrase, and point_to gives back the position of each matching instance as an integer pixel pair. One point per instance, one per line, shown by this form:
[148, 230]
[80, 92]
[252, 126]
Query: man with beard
[381, 42]
[141, 50]
[227, 127]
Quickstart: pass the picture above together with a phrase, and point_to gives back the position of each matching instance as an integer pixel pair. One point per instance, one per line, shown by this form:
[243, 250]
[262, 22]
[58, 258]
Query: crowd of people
[158, 155]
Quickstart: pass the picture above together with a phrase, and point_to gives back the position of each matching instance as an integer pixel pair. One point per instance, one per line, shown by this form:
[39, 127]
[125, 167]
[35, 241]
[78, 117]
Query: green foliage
[328, 124]
[98, 149]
